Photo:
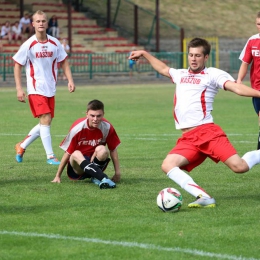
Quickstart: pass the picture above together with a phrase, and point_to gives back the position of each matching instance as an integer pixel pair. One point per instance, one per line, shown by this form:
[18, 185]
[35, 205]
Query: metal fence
[95, 63]
[234, 61]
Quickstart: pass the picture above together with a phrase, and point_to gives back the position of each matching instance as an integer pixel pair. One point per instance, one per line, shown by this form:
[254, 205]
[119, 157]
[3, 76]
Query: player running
[196, 88]
[85, 152]
[40, 55]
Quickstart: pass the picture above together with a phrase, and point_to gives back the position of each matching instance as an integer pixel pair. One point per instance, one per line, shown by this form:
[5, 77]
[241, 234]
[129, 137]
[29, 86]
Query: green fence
[95, 63]
[234, 61]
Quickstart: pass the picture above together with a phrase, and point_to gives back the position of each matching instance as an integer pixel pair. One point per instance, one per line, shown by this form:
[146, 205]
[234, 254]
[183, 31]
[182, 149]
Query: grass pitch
[77, 220]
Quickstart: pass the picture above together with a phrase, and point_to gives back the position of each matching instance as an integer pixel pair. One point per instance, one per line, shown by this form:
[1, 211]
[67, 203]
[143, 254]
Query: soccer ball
[169, 200]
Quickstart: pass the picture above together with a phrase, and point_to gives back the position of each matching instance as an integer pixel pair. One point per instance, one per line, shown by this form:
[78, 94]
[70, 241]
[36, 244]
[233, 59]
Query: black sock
[92, 169]
[101, 164]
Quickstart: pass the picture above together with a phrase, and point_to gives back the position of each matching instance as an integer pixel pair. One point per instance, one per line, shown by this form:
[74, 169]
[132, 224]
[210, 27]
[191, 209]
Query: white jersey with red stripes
[40, 60]
[85, 139]
[251, 54]
[194, 95]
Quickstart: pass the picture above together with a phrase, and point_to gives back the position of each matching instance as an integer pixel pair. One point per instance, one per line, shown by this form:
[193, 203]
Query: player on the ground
[40, 55]
[85, 152]
[251, 55]
[196, 88]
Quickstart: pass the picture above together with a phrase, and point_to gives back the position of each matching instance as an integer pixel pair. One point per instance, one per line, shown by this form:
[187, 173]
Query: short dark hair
[199, 42]
[95, 105]
[258, 15]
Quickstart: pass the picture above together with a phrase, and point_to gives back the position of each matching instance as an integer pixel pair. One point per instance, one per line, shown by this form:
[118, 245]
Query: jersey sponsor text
[45, 54]
[190, 80]
[90, 142]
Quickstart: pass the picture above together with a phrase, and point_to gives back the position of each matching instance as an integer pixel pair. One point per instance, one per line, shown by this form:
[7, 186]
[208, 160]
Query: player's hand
[57, 180]
[71, 87]
[135, 55]
[21, 96]
[116, 178]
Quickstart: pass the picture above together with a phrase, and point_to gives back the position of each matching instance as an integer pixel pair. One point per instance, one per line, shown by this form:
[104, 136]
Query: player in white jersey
[85, 148]
[196, 88]
[40, 55]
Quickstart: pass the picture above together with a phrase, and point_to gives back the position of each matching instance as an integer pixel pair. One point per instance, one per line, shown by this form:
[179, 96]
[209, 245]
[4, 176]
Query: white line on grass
[143, 136]
[128, 244]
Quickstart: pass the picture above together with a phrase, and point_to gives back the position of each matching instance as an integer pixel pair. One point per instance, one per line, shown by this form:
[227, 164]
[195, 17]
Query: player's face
[94, 117]
[258, 24]
[40, 23]
[197, 59]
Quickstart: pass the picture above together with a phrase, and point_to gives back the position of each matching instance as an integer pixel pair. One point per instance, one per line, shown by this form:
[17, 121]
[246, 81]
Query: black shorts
[74, 176]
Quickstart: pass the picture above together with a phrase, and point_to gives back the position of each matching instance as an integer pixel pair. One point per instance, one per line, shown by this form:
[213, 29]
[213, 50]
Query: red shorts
[41, 105]
[204, 141]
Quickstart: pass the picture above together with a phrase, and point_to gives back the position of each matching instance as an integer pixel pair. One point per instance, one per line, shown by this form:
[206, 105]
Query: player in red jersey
[196, 88]
[251, 55]
[40, 55]
[87, 147]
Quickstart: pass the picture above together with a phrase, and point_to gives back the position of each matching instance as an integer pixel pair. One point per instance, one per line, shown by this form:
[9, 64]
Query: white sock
[45, 132]
[252, 158]
[186, 182]
[33, 134]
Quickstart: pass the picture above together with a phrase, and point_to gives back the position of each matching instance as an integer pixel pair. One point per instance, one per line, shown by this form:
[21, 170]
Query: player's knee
[166, 166]
[101, 152]
[76, 155]
[239, 167]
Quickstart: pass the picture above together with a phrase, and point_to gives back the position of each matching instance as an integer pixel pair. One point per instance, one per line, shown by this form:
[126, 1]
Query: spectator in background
[6, 32]
[26, 25]
[53, 29]
[17, 32]
[133, 63]
[65, 45]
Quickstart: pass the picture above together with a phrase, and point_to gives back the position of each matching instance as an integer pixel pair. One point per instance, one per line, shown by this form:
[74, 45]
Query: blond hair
[40, 13]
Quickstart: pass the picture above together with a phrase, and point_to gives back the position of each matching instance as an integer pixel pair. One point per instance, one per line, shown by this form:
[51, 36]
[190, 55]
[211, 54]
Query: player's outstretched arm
[242, 72]
[241, 89]
[62, 165]
[158, 65]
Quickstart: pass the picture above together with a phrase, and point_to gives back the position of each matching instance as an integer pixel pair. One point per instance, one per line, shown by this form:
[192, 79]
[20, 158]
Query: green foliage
[77, 220]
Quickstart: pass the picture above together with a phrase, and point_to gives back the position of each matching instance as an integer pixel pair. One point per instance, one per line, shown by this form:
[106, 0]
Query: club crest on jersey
[190, 80]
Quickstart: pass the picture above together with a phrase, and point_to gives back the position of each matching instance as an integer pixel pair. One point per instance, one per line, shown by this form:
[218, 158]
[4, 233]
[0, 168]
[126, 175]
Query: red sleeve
[112, 139]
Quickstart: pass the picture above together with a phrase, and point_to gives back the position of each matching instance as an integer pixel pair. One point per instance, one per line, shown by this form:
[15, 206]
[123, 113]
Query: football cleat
[107, 184]
[53, 161]
[95, 181]
[19, 153]
[203, 202]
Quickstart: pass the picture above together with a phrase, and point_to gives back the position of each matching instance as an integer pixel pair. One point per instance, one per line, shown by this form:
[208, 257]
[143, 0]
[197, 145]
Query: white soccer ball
[169, 200]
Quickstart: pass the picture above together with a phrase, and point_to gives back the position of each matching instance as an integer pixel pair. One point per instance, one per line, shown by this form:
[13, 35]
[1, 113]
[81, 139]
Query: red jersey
[251, 54]
[85, 139]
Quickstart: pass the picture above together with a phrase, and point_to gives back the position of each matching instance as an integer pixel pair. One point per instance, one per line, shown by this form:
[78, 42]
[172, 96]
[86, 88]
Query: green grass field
[77, 220]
